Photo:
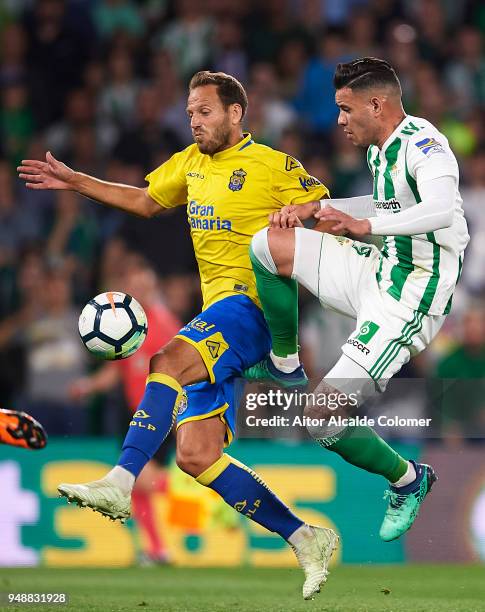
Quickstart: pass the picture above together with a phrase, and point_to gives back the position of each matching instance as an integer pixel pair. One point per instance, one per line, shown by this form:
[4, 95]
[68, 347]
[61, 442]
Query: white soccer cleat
[313, 549]
[100, 495]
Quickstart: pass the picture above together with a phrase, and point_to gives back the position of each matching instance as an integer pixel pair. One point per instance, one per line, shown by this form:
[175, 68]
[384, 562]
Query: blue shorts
[230, 336]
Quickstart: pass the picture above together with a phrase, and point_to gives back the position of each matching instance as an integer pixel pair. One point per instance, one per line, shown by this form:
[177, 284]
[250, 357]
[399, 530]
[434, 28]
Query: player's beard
[219, 141]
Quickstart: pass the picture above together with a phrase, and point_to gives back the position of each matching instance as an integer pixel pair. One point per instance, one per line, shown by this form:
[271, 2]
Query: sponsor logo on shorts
[199, 325]
[214, 348]
[358, 345]
[367, 331]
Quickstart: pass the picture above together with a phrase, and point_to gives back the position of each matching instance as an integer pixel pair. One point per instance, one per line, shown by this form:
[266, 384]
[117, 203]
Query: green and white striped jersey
[419, 271]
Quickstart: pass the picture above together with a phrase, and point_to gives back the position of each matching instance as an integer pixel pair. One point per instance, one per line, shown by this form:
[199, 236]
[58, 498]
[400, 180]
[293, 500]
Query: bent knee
[274, 249]
[281, 243]
[168, 362]
[160, 362]
[193, 463]
[260, 251]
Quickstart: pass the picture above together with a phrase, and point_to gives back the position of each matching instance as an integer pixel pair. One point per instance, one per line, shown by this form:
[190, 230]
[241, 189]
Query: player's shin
[279, 298]
[363, 447]
[151, 423]
[359, 445]
[244, 490]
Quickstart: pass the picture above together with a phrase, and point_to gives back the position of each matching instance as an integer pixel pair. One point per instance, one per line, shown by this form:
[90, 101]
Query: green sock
[362, 447]
[279, 298]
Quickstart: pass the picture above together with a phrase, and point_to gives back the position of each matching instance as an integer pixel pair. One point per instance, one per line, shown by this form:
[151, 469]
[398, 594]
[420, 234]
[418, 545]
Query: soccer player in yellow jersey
[230, 185]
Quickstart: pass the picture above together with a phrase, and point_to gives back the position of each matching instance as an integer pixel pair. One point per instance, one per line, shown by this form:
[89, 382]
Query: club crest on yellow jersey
[237, 179]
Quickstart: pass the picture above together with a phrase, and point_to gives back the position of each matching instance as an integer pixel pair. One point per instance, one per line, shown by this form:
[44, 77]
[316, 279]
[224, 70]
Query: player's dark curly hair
[365, 73]
[229, 89]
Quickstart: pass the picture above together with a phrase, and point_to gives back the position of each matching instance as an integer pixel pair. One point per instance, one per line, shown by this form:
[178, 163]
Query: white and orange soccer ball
[113, 325]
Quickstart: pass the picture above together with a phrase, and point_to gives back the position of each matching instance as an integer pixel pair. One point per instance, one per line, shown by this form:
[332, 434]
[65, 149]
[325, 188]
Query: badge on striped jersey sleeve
[428, 146]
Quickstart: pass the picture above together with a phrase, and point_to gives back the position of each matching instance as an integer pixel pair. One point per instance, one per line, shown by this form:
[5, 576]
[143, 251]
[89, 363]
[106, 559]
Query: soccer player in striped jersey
[399, 295]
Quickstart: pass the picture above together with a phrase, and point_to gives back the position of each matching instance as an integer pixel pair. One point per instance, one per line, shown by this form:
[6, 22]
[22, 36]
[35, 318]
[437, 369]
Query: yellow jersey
[229, 196]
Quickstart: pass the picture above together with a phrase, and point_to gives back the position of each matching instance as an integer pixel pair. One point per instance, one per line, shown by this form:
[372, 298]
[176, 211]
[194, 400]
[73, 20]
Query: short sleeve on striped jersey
[429, 157]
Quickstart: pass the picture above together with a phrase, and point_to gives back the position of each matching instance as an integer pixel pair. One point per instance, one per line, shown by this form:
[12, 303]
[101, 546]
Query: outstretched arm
[54, 174]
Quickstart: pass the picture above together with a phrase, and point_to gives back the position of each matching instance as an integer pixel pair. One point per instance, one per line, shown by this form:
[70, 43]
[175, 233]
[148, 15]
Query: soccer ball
[113, 325]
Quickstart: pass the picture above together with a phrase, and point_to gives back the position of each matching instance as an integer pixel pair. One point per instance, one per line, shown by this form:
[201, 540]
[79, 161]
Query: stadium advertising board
[38, 528]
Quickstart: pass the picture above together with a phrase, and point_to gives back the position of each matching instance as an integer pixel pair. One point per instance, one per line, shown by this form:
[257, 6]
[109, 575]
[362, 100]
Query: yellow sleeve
[292, 184]
[168, 183]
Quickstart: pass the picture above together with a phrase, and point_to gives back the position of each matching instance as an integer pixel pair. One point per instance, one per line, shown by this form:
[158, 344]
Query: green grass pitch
[420, 588]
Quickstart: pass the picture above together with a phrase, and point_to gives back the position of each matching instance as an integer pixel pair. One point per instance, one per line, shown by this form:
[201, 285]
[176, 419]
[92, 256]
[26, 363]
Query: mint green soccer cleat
[405, 502]
[265, 370]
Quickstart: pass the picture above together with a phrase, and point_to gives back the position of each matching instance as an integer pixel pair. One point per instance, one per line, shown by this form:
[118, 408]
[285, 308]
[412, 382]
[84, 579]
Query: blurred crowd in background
[103, 84]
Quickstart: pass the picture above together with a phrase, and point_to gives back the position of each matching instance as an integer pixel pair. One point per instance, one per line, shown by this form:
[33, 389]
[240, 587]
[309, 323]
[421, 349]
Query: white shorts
[342, 274]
